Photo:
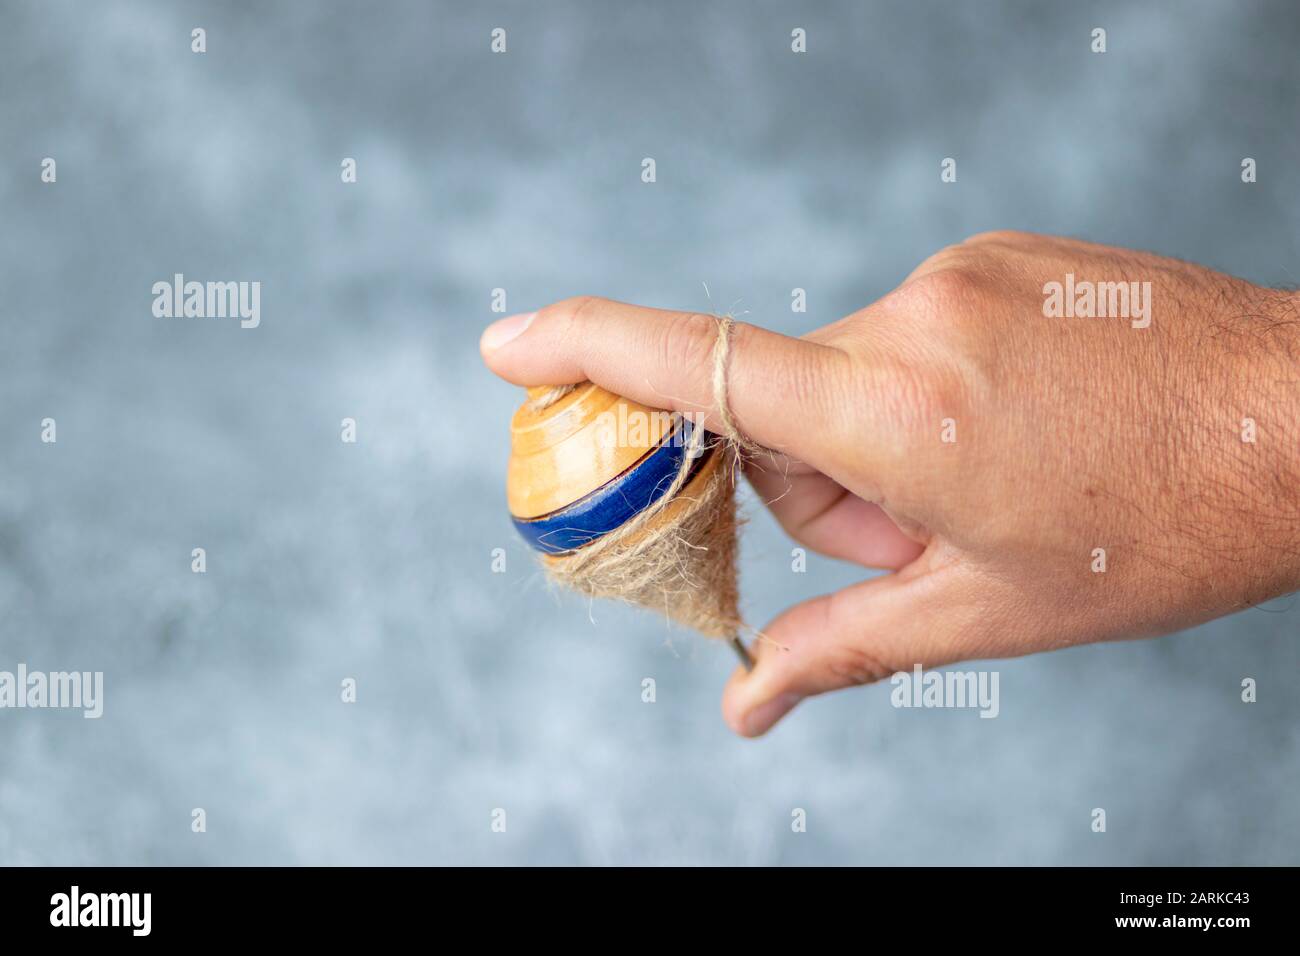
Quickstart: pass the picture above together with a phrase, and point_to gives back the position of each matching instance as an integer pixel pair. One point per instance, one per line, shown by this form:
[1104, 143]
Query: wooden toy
[582, 466]
[588, 463]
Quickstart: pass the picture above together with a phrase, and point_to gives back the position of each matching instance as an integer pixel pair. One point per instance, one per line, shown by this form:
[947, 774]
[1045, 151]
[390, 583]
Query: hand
[1033, 481]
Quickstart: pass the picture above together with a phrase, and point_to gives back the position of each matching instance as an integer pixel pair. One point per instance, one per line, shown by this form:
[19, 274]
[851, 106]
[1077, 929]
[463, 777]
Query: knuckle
[805, 383]
[812, 378]
[946, 289]
[967, 265]
[919, 399]
[925, 310]
[949, 257]
[920, 374]
[854, 665]
[917, 395]
[941, 286]
[687, 343]
[1004, 237]
[941, 314]
[848, 658]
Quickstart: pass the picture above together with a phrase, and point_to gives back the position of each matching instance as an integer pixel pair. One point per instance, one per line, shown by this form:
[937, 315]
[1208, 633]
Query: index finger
[785, 393]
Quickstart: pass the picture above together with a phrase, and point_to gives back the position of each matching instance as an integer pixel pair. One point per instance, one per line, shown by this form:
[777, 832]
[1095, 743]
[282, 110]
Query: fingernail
[765, 715]
[500, 332]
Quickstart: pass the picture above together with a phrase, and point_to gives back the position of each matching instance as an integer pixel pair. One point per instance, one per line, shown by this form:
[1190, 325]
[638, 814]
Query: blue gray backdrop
[372, 561]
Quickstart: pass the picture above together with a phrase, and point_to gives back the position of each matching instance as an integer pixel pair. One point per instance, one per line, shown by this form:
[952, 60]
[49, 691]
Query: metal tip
[742, 654]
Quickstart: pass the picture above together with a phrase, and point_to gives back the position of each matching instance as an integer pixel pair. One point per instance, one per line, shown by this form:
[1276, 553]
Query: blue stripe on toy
[613, 503]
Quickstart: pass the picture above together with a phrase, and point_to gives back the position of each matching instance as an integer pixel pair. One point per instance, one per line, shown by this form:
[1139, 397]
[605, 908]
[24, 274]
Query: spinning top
[586, 465]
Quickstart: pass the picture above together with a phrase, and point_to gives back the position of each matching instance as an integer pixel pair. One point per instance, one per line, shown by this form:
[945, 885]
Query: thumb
[856, 636]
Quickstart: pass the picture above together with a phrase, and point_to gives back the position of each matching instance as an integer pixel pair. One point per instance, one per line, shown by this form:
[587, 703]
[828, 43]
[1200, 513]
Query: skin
[1071, 434]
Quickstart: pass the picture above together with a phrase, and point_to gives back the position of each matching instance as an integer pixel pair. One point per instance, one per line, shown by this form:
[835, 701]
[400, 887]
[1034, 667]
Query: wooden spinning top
[585, 464]
[589, 463]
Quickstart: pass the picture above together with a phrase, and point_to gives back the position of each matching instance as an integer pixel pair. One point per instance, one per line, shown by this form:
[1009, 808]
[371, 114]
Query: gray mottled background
[325, 560]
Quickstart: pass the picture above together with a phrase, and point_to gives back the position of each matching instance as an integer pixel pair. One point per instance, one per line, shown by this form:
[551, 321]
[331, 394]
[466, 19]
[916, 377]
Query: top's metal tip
[742, 653]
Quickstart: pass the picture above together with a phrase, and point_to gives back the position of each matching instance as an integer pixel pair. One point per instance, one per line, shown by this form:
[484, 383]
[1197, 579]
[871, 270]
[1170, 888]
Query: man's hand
[1035, 475]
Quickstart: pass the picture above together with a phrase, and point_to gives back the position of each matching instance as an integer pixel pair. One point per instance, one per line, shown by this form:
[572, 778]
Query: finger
[783, 392]
[820, 513]
[856, 636]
